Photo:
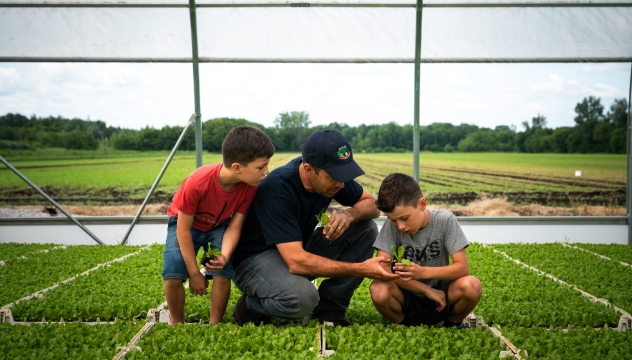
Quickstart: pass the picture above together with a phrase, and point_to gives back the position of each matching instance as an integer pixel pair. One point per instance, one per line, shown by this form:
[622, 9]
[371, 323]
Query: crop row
[23, 276]
[13, 250]
[514, 295]
[599, 277]
[64, 341]
[613, 251]
[122, 290]
[572, 344]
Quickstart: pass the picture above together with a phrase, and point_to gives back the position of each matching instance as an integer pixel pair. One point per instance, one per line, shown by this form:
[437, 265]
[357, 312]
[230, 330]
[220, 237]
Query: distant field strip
[111, 178]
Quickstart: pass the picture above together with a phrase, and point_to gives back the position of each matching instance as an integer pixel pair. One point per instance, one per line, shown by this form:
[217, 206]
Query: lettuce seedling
[209, 255]
[398, 257]
[323, 219]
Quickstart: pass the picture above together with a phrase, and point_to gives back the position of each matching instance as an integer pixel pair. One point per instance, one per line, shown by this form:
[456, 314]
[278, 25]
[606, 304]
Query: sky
[135, 95]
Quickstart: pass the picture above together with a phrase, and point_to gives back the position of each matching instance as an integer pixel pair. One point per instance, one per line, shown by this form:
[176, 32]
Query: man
[280, 251]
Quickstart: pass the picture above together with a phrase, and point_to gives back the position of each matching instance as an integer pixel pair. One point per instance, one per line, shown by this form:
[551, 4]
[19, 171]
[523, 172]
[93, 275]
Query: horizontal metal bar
[315, 60]
[463, 220]
[149, 4]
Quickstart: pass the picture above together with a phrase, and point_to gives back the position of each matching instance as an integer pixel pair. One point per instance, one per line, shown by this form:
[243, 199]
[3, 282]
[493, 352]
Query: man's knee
[303, 301]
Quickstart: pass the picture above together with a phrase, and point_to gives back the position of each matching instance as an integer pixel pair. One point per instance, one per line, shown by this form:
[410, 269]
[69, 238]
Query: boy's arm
[459, 268]
[229, 241]
[197, 282]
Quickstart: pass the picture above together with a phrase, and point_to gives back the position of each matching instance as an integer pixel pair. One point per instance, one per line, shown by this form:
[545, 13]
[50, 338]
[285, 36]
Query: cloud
[554, 84]
[604, 67]
[606, 91]
[9, 79]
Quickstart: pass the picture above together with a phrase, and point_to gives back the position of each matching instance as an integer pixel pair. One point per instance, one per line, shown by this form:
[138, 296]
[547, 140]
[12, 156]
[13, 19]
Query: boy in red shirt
[210, 207]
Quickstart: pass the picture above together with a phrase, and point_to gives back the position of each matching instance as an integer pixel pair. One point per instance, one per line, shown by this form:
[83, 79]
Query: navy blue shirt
[283, 211]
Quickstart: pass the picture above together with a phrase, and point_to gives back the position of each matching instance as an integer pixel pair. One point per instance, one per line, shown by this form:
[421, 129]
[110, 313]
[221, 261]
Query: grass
[444, 177]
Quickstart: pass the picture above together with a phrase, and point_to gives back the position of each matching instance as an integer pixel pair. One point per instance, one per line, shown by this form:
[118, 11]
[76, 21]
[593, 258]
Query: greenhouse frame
[108, 305]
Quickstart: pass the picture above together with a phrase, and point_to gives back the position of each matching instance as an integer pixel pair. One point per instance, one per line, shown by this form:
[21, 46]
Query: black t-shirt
[283, 211]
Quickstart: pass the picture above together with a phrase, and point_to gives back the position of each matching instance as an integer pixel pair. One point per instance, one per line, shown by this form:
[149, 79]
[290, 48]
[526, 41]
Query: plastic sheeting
[317, 34]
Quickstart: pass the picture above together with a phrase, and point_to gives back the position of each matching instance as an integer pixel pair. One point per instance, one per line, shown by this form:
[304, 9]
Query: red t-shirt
[202, 196]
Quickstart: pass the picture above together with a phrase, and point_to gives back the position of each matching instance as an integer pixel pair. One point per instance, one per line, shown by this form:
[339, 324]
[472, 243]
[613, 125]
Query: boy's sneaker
[243, 315]
[340, 321]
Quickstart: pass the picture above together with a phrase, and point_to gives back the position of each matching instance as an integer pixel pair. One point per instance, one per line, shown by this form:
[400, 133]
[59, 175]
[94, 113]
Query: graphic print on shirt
[210, 219]
[432, 251]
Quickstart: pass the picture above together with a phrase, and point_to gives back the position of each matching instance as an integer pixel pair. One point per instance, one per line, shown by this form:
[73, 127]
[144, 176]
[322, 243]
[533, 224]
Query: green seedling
[398, 256]
[323, 219]
[209, 255]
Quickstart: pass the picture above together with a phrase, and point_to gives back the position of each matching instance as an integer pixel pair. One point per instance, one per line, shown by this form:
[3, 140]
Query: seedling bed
[603, 279]
[121, 290]
[64, 341]
[23, 276]
[517, 296]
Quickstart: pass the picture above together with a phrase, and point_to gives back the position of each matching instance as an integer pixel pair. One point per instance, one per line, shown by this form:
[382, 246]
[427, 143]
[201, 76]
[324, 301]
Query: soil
[473, 205]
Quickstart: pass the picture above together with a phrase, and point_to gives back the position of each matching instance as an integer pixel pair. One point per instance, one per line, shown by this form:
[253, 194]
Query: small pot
[393, 262]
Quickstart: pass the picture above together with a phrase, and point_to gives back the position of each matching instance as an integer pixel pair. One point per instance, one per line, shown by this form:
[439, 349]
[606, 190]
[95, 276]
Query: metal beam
[196, 85]
[628, 186]
[419, 16]
[158, 178]
[18, 173]
[364, 60]
[453, 4]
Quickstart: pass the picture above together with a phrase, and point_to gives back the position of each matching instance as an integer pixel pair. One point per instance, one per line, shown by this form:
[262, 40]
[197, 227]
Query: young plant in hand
[398, 257]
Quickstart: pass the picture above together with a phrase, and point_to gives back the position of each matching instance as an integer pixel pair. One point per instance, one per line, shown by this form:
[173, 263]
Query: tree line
[596, 131]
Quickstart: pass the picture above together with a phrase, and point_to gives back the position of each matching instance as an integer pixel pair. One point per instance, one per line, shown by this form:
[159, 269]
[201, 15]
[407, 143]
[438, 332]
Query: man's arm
[363, 209]
[229, 242]
[197, 282]
[459, 268]
[301, 262]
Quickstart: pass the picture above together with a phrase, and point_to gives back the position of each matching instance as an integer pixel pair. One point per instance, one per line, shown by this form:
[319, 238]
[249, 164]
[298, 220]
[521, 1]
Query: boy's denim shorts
[174, 266]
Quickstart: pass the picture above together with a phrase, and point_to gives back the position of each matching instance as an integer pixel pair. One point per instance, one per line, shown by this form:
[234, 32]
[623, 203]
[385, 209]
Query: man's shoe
[243, 315]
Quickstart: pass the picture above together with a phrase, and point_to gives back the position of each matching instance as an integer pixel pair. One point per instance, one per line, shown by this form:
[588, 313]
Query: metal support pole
[628, 186]
[196, 85]
[158, 178]
[51, 200]
[419, 10]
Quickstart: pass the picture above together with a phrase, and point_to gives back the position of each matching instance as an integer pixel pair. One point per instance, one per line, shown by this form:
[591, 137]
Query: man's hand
[438, 297]
[217, 264]
[338, 224]
[373, 269]
[198, 283]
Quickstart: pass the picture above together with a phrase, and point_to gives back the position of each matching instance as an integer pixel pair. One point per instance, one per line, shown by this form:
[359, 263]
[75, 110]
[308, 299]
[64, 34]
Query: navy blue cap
[330, 151]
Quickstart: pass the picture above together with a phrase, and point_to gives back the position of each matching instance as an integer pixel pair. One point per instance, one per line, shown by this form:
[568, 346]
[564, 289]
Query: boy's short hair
[398, 189]
[245, 144]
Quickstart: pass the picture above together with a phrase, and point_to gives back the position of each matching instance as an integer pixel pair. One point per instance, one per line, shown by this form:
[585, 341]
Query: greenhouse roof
[340, 31]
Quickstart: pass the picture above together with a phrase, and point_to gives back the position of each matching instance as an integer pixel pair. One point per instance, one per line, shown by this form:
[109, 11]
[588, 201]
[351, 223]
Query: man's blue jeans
[272, 290]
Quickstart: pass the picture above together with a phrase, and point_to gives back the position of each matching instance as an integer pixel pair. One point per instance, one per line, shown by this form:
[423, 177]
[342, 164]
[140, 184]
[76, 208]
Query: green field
[116, 177]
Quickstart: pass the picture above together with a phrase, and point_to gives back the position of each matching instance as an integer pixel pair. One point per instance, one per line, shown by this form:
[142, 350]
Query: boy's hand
[198, 283]
[217, 264]
[338, 223]
[412, 272]
[438, 297]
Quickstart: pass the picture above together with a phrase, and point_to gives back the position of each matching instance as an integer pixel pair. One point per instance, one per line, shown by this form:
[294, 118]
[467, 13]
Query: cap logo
[343, 153]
